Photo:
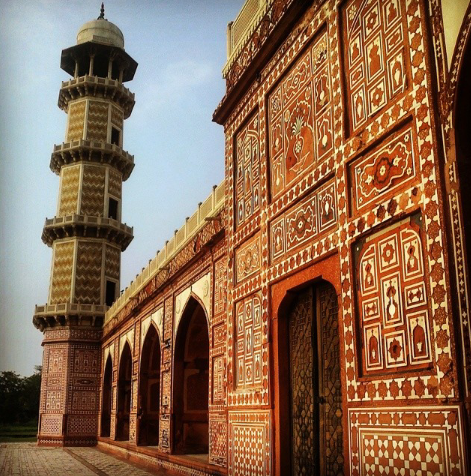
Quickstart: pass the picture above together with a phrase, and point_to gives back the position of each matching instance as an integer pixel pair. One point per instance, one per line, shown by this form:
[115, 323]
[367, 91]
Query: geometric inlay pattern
[248, 258]
[88, 273]
[300, 117]
[62, 272]
[392, 299]
[218, 438]
[97, 126]
[248, 342]
[379, 174]
[76, 115]
[249, 450]
[112, 262]
[423, 441]
[70, 180]
[247, 190]
[376, 56]
[312, 216]
[93, 191]
[114, 183]
[80, 425]
[51, 425]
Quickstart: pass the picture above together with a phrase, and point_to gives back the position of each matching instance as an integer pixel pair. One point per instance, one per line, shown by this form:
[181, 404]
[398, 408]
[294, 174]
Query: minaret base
[70, 387]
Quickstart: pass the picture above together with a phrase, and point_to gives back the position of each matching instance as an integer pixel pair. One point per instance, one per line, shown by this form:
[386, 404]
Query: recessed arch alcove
[190, 381]
[148, 408]
[462, 127]
[124, 394]
[107, 396]
[308, 372]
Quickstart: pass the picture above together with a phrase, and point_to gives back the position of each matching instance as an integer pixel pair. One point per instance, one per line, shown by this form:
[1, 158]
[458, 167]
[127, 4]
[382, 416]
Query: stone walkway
[27, 459]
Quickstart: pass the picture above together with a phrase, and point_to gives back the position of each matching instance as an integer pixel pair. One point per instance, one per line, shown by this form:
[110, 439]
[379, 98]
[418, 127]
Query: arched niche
[107, 397]
[191, 381]
[460, 195]
[124, 393]
[310, 391]
[148, 407]
[462, 127]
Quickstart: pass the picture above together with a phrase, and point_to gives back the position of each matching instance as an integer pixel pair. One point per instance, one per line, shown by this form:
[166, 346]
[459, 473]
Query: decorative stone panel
[247, 159]
[70, 181]
[304, 222]
[249, 451]
[112, 262]
[80, 425]
[97, 126]
[300, 117]
[62, 272]
[117, 117]
[114, 183]
[88, 272]
[218, 438]
[392, 299]
[379, 174]
[93, 191]
[248, 342]
[248, 259]
[376, 57]
[51, 425]
[418, 440]
[76, 114]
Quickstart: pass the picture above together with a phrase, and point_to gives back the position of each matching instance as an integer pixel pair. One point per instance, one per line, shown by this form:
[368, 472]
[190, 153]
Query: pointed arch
[107, 397]
[188, 298]
[310, 389]
[286, 300]
[191, 380]
[460, 193]
[148, 405]
[155, 319]
[124, 392]
[151, 327]
[459, 58]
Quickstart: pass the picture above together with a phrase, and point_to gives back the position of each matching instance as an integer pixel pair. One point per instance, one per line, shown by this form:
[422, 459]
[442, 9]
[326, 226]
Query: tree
[19, 397]
[10, 391]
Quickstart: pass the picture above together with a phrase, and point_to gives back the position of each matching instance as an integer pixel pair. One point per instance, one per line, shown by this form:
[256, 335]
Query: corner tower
[86, 235]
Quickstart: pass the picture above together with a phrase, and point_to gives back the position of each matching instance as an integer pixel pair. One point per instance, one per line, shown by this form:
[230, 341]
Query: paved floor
[27, 459]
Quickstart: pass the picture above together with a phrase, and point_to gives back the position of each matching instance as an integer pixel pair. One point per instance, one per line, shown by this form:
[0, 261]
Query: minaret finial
[102, 12]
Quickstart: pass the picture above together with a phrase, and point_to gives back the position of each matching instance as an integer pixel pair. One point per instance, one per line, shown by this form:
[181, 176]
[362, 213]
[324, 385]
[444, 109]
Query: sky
[180, 46]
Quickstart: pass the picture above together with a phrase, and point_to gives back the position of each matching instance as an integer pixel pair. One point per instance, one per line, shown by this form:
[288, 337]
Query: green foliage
[19, 397]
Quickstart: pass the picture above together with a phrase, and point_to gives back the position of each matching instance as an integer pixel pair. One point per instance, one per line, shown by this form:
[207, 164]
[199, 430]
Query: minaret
[86, 235]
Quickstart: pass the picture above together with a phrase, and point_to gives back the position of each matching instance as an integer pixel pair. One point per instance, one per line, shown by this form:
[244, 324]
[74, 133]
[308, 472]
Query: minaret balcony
[88, 227]
[98, 87]
[69, 314]
[92, 151]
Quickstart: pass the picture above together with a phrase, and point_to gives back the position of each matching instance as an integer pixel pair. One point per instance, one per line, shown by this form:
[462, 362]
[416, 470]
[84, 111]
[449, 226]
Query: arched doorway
[106, 399]
[149, 390]
[463, 144]
[310, 385]
[190, 384]
[124, 394]
[462, 251]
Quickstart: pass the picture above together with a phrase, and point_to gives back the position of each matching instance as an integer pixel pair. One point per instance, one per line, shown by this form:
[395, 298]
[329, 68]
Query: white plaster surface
[453, 12]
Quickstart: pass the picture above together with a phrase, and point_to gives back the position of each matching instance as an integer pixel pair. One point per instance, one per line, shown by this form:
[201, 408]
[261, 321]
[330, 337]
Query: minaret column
[87, 234]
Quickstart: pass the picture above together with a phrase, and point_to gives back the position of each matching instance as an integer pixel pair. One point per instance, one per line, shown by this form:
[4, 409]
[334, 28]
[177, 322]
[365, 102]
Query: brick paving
[27, 459]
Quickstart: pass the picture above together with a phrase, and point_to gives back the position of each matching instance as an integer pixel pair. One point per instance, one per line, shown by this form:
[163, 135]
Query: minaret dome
[99, 52]
[101, 31]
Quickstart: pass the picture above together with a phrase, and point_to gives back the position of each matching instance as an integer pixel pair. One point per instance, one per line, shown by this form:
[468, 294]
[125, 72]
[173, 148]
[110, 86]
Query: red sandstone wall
[333, 171]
